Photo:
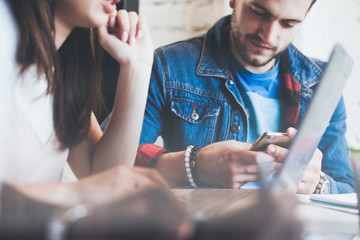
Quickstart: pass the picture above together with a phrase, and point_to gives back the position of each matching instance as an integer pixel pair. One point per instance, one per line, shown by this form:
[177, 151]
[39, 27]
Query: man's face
[261, 29]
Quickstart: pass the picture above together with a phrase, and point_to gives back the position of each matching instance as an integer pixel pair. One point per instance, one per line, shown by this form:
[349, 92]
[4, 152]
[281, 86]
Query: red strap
[148, 154]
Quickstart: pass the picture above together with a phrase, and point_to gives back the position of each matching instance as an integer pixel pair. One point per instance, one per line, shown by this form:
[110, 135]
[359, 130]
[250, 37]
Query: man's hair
[312, 3]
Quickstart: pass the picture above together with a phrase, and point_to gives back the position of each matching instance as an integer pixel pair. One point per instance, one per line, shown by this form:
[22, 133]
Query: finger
[277, 152]
[133, 23]
[244, 157]
[249, 168]
[291, 132]
[124, 24]
[246, 178]
[112, 20]
[108, 42]
[141, 27]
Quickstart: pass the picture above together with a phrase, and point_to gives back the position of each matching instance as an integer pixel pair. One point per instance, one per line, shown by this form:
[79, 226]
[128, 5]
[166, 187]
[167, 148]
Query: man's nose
[269, 32]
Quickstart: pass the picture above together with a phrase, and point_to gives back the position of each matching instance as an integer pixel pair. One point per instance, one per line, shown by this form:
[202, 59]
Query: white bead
[187, 166]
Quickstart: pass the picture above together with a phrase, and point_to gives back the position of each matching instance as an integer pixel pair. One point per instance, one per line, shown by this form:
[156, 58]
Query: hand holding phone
[277, 138]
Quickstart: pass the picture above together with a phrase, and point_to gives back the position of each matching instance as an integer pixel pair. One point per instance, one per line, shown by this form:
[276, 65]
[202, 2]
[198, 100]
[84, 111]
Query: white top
[29, 148]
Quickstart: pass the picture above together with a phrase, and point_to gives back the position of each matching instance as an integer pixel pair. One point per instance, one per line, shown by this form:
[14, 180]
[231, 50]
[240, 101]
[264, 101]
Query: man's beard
[242, 50]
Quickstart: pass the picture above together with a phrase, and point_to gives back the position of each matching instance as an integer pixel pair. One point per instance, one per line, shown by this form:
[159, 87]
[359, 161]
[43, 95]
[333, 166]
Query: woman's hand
[115, 184]
[127, 38]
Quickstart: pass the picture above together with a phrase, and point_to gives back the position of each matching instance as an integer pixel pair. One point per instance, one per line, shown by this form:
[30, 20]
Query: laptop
[315, 121]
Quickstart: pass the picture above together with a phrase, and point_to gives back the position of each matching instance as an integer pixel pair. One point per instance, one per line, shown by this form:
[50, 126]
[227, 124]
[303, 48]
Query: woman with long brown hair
[50, 85]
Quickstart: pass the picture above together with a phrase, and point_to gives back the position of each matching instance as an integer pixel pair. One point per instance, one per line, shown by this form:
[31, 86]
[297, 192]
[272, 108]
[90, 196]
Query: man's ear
[232, 3]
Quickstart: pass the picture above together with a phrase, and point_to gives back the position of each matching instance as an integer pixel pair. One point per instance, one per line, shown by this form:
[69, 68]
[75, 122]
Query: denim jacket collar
[214, 61]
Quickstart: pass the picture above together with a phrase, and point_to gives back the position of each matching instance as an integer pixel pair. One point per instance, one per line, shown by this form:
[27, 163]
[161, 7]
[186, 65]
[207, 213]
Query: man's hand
[229, 164]
[311, 174]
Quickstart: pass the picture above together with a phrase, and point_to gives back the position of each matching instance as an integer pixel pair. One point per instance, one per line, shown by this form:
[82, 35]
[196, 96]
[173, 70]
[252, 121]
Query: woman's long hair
[73, 72]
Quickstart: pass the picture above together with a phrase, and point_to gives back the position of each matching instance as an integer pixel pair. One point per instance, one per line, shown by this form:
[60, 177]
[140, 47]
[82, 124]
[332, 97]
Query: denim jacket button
[194, 116]
[234, 128]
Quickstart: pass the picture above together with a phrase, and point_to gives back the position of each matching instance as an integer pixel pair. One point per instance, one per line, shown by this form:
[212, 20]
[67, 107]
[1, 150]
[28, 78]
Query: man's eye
[260, 13]
[288, 24]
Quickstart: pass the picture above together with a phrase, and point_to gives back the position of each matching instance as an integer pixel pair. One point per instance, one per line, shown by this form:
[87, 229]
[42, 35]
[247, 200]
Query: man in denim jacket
[222, 90]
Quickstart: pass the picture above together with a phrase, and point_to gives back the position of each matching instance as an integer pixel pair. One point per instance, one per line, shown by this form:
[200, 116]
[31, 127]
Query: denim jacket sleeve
[154, 115]
[336, 159]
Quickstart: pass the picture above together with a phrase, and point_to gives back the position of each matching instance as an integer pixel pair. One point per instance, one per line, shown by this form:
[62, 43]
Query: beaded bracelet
[193, 166]
[187, 166]
[190, 165]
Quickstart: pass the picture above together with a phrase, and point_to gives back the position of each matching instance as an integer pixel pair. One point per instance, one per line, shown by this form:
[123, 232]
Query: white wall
[172, 20]
[329, 22]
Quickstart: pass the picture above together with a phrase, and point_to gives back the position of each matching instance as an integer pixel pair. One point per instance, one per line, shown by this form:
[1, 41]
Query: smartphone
[277, 138]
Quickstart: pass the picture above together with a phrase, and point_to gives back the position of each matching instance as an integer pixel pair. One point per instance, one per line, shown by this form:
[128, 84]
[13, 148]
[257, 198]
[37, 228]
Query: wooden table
[207, 203]
[318, 222]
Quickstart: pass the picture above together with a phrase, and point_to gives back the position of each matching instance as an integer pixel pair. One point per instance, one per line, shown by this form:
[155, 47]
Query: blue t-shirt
[262, 97]
[261, 94]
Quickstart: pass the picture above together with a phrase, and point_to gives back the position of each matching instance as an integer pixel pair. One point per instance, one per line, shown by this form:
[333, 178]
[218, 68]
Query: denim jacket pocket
[197, 119]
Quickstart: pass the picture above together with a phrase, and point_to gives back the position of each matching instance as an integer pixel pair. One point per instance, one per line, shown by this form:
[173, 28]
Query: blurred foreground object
[150, 214]
[256, 215]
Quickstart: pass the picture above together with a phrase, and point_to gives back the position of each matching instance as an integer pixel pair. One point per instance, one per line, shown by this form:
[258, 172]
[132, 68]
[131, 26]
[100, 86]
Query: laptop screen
[355, 157]
[316, 119]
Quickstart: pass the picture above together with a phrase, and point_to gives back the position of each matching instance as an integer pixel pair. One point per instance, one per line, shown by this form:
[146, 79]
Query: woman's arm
[100, 188]
[129, 43]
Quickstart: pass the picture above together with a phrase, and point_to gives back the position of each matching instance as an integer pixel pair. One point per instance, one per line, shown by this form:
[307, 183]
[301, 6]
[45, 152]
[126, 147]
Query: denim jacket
[193, 100]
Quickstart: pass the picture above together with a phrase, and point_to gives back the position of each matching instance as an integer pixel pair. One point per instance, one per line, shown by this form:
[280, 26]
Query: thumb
[291, 132]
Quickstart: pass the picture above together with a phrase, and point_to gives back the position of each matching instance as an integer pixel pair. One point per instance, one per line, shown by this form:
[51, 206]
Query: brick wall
[172, 20]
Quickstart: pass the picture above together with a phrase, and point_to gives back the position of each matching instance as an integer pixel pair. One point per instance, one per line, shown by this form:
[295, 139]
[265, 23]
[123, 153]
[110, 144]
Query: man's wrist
[148, 154]
[323, 186]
